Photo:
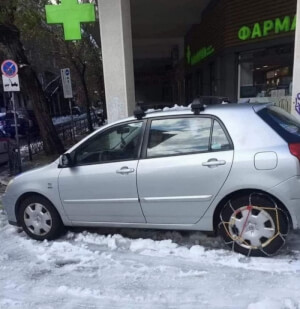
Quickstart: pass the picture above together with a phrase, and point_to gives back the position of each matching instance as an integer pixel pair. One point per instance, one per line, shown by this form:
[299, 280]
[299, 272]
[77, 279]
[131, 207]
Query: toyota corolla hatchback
[232, 169]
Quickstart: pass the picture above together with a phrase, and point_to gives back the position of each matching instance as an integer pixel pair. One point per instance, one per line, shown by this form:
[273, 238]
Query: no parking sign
[10, 76]
[9, 68]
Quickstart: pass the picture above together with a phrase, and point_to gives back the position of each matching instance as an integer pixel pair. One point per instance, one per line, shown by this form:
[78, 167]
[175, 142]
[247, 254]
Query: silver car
[233, 169]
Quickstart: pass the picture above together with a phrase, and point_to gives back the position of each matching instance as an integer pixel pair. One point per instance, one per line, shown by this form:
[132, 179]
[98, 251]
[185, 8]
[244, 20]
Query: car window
[219, 140]
[178, 136]
[285, 120]
[285, 124]
[116, 144]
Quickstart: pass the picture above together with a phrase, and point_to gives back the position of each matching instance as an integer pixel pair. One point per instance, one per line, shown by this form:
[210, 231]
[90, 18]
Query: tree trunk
[10, 39]
[88, 105]
[81, 74]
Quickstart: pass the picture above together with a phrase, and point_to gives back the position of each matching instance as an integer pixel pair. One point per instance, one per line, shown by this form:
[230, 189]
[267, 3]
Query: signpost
[11, 84]
[67, 83]
[68, 93]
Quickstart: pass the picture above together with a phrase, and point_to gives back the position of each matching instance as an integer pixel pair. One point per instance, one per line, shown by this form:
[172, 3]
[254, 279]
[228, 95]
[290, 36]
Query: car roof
[209, 110]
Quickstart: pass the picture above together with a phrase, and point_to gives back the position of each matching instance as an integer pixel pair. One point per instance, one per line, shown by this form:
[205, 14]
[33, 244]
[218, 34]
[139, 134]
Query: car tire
[254, 224]
[39, 218]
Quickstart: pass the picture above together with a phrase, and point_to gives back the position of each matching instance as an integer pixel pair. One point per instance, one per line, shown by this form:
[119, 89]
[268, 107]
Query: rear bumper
[288, 192]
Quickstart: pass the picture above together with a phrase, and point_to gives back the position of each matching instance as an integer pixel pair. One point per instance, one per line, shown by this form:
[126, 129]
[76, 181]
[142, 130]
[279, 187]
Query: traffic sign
[67, 83]
[9, 68]
[11, 83]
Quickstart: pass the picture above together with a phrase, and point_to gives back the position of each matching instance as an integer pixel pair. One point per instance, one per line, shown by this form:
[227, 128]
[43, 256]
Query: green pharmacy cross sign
[70, 13]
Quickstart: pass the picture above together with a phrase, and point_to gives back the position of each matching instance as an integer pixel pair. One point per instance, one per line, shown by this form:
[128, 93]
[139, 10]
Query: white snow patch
[177, 108]
[159, 270]
[272, 304]
[67, 119]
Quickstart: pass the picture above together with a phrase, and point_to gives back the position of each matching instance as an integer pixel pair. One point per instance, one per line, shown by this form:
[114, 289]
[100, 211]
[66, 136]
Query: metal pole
[29, 146]
[295, 108]
[17, 134]
[72, 120]
[4, 100]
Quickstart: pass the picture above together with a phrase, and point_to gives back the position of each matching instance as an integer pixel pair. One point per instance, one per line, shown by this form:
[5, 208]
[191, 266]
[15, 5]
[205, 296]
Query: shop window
[267, 72]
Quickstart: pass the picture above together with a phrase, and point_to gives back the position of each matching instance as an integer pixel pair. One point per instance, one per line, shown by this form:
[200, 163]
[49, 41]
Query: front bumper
[9, 203]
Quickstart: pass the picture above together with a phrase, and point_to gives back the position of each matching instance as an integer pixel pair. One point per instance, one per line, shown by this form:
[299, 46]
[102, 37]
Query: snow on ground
[141, 269]
[67, 119]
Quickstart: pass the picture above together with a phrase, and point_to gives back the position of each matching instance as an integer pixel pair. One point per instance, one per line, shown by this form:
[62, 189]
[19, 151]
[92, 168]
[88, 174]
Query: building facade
[243, 50]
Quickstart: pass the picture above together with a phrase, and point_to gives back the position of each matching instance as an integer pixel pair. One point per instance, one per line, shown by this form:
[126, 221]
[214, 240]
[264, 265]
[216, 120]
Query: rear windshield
[286, 125]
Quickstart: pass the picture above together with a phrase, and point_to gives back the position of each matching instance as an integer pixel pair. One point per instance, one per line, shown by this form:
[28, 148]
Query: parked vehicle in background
[2, 120]
[26, 122]
[99, 113]
[4, 147]
[76, 111]
[229, 168]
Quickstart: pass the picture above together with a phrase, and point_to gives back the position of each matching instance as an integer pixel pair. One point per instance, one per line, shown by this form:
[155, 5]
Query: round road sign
[9, 68]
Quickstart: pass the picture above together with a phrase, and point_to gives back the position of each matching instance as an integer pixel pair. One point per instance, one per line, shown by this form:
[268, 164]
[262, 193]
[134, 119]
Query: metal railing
[68, 134]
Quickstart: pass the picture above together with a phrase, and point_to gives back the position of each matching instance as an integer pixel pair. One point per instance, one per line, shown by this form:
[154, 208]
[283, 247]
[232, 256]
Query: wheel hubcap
[37, 219]
[251, 227]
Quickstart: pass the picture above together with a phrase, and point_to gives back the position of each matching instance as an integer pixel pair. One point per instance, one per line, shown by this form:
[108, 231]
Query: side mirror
[65, 160]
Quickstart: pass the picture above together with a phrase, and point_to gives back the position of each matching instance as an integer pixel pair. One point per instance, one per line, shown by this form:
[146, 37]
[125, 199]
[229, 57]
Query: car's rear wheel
[39, 219]
[254, 224]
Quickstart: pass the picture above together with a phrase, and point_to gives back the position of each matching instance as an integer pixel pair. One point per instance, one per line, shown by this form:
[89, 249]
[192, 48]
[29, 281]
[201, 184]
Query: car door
[186, 161]
[101, 186]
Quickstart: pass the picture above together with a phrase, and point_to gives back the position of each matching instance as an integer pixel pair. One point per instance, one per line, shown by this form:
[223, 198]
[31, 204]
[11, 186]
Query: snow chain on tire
[238, 239]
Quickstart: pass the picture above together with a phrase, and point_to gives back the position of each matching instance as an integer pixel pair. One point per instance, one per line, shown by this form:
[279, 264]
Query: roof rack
[197, 106]
[141, 108]
[212, 100]
[139, 112]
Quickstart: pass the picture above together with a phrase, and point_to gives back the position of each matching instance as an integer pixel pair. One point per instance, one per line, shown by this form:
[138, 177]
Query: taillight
[295, 150]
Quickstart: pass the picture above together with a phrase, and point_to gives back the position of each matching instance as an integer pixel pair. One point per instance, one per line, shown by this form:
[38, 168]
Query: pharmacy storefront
[243, 50]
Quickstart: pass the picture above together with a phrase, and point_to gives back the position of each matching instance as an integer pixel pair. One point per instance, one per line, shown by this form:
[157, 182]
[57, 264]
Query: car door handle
[213, 162]
[125, 170]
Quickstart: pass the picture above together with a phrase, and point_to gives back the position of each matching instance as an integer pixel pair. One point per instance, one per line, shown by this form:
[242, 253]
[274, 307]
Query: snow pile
[148, 269]
[177, 108]
[171, 109]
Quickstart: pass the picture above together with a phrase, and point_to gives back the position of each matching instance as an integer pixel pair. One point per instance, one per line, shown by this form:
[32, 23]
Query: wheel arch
[24, 196]
[221, 204]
